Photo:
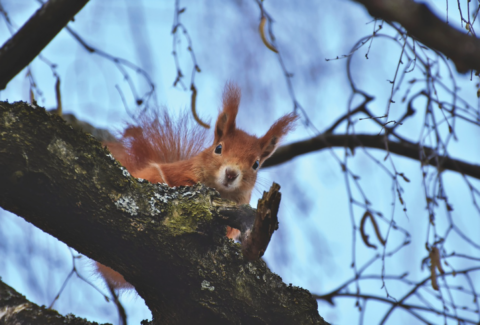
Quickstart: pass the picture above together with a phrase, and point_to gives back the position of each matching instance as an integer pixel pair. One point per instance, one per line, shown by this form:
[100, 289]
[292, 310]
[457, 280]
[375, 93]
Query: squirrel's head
[235, 155]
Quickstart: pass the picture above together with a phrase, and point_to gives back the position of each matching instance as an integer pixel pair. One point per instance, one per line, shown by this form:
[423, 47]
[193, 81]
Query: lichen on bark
[168, 242]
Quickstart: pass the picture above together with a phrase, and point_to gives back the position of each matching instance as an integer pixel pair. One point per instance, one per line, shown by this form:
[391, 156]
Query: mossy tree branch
[169, 243]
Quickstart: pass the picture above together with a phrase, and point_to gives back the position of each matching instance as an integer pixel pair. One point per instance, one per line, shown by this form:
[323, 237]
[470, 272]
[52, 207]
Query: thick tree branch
[32, 38]
[405, 148]
[421, 23]
[16, 309]
[169, 243]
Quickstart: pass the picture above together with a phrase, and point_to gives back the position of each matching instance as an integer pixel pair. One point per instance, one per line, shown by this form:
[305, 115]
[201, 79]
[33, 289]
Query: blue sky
[313, 248]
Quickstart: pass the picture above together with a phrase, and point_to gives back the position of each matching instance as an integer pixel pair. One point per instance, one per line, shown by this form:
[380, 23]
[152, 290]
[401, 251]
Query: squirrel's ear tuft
[226, 119]
[270, 140]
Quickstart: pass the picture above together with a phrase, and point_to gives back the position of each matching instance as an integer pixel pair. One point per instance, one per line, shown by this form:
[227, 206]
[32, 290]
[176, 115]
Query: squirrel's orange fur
[161, 151]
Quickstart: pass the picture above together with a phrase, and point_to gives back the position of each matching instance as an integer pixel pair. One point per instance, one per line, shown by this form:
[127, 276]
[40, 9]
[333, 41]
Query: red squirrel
[156, 150]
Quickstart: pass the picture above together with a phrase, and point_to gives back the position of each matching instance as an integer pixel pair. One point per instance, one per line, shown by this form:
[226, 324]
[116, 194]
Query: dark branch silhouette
[422, 24]
[403, 148]
[32, 38]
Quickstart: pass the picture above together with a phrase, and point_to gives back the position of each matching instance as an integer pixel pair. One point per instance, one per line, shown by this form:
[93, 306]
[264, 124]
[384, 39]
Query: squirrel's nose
[230, 174]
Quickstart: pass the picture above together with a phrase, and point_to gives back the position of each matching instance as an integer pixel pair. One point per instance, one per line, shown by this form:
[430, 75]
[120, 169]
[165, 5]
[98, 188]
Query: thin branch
[402, 148]
[32, 38]
[406, 307]
[422, 24]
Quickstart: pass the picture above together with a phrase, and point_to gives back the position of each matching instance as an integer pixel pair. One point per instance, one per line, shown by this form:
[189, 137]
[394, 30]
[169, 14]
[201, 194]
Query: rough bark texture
[265, 224]
[16, 309]
[169, 243]
[32, 38]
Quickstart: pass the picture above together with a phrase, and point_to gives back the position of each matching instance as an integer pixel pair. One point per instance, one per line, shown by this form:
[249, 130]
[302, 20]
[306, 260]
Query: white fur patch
[221, 179]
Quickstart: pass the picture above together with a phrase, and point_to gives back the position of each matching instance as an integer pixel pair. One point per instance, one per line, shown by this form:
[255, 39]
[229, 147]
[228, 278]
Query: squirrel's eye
[218, 149]
[255, 165]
